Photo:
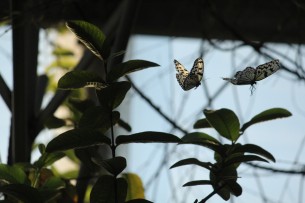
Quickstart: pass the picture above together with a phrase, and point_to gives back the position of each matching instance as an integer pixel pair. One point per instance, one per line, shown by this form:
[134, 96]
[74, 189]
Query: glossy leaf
[225, 123]
[114, 165]
[90, 35]
[113, 95]
[202, 123]
[22, 192]
[250, 148]
[128, 67]
[135, 186]
[103, 190]
[202, 139]
[192, 161]
[98, 117]
[77, 138]
[147, 137]
[267, 115]
[198, 182]
[77, 79]
[12, 174]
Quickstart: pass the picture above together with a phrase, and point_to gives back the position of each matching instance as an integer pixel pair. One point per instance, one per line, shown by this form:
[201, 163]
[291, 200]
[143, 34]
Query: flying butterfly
[249, 76]
[188, 80]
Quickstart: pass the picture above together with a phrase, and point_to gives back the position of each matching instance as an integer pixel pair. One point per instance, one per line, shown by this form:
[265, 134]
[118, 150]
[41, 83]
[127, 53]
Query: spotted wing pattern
[96, 85]
[189, 80]
[266, 69]
[250, 75]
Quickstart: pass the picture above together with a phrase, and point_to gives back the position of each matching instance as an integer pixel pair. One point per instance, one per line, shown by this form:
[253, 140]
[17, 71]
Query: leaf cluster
[228, 157]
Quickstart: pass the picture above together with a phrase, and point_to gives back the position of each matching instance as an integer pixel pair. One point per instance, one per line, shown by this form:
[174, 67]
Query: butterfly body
[249, 76]
[188, 80]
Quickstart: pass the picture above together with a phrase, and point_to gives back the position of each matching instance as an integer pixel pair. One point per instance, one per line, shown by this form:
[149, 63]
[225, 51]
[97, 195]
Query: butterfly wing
[195, 75]
[245, 77]
[182, 73]
[266, 69]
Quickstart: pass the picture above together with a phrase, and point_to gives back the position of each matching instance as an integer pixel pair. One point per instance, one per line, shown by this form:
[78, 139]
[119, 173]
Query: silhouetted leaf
[54, 122]
[47, 159]
[202, 123]
[147, 137]
[192, 161]
[225, 123]
[114, 165]
[250, 148]
[128, 67]
[12, 174]
[202, 139]
[197, 182]
[22, 192]
[77, 79]
[81, 105]
[90, 35]
[77, 138]
[124, 125]
[235, 188]
[243, 158]
[135, 186]
[267, 115]
[113, 95]
[103, 190]
[98, 117]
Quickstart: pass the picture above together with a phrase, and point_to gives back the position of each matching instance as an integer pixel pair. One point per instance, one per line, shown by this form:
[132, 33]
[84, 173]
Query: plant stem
[212, 193]
[113, 155]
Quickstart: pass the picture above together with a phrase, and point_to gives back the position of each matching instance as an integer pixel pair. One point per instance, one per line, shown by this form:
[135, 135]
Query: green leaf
[202, 139]
[54, 183]
[242, 159]
[90, 35]
[192, 161]
[147, 137]
[128, 67]
[202, 123]
[77, 138]
[12, 174]
[197, 182]
[135, 186]
[54, 122]
[22, 192]
[79, 78]
[113, 95]
[251, 148]
[124, 125]
[267, 115]
[225, 123]
[47, 159]
[98, 117]
[103, 190]
[114, 165]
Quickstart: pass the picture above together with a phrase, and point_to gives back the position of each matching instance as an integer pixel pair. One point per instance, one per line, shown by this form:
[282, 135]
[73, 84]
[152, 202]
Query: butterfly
[249, 76]
[189, 80]
[96, 85]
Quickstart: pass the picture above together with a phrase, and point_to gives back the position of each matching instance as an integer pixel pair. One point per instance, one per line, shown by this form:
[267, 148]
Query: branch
[156, 108]
[277, 170]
